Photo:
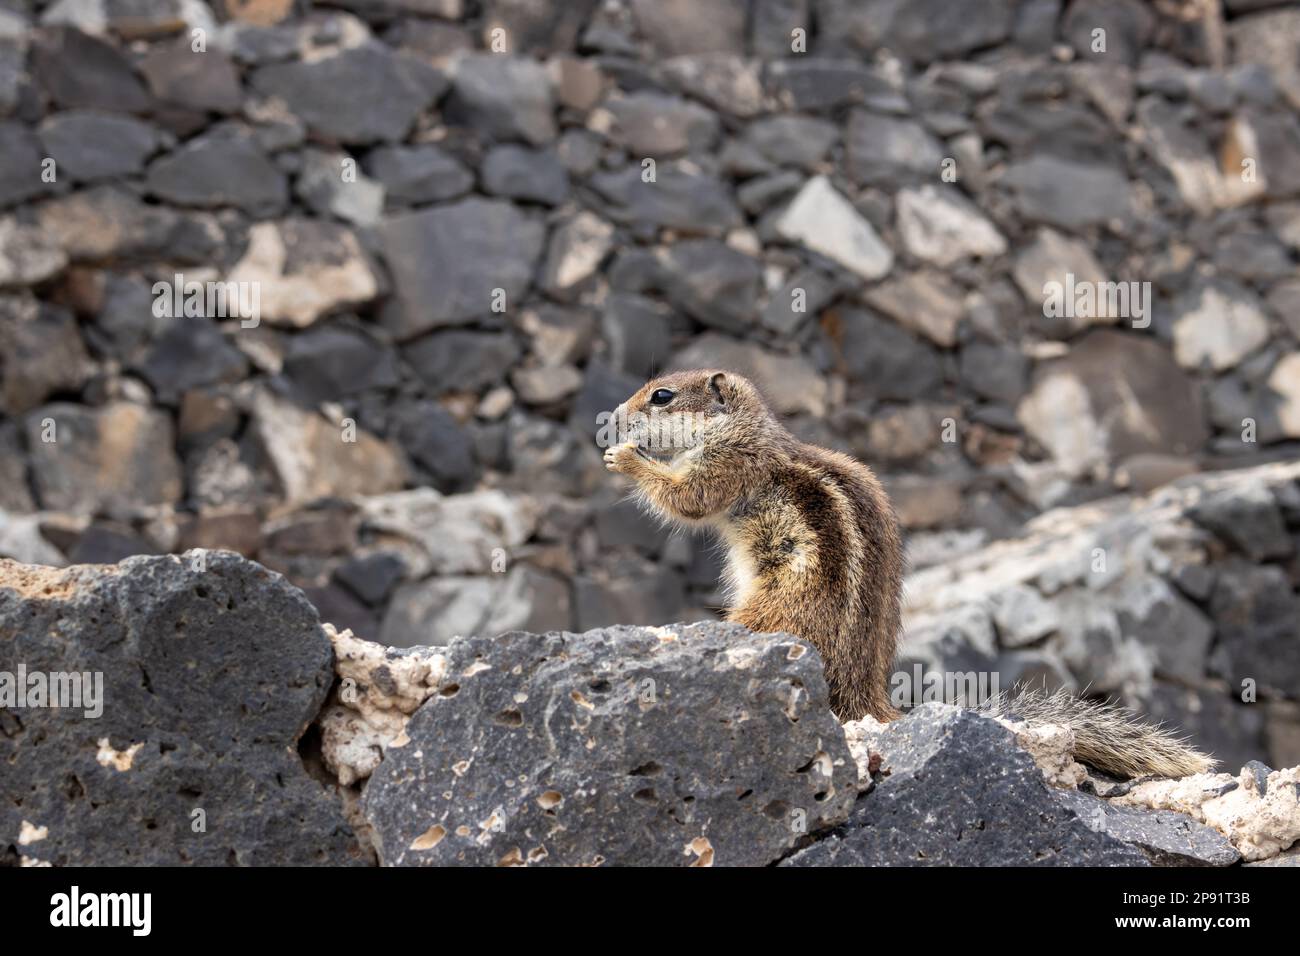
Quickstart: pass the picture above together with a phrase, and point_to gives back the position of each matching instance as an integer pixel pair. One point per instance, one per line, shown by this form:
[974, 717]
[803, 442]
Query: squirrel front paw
[621, 457]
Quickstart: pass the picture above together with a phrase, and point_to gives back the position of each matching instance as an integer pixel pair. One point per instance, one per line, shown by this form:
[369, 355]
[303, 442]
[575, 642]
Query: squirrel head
[684, 410]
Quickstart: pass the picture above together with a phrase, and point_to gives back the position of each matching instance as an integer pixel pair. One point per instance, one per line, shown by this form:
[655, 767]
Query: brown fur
[1110, 738]
[813, 545]
[814, 551]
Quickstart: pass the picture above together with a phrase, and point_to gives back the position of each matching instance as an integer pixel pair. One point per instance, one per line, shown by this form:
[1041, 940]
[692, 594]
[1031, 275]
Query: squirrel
[814, 550]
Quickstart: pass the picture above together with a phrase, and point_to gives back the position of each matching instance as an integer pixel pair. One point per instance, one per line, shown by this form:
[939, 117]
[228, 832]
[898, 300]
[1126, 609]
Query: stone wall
[228, 726]
[471, 227]
[1184, 604]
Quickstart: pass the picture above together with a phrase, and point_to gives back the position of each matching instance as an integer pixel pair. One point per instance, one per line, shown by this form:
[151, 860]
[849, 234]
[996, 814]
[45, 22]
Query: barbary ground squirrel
[814, 550]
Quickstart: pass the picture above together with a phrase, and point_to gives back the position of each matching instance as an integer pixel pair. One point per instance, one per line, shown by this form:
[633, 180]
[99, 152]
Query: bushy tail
[1111, 738]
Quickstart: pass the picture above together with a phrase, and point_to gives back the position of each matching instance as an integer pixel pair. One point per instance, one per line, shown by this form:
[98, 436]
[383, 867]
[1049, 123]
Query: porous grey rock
[212, 668]
[1166, 837]
[955, 790]
[689, 745]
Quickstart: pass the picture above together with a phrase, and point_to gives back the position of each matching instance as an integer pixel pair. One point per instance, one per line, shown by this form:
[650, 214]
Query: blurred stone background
[475, 225]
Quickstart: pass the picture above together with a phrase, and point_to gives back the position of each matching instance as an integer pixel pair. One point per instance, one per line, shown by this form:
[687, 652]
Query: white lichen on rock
[31, 833]
[860, 734]
[119, 760]
[1052, 747]
[379, 690]
[1259, 813]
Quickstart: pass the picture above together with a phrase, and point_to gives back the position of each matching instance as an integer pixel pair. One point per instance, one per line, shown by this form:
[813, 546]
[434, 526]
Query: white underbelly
[739, 573]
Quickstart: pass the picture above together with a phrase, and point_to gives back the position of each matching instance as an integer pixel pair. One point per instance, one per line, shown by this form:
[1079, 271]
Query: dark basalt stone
[211, 673]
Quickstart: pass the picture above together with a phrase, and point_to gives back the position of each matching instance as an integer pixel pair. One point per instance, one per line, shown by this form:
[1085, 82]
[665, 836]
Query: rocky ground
[1185, 604]
[237, 729]
[473, 226]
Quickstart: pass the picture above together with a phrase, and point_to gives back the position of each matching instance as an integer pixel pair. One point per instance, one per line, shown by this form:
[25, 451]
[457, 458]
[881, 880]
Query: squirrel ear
[715, 386]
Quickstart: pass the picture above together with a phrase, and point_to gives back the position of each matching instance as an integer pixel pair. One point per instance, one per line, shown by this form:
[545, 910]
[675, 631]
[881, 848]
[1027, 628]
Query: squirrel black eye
[661, 396]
